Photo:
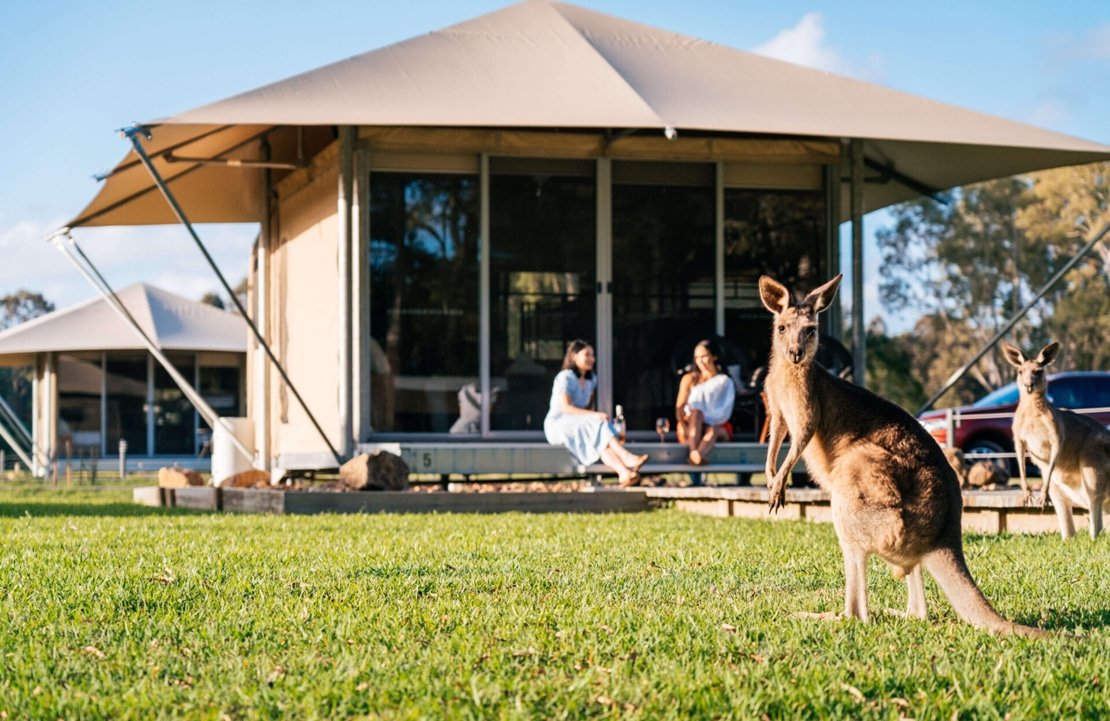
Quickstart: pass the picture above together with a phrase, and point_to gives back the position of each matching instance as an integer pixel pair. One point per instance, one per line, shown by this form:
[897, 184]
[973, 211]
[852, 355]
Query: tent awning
[540, 67]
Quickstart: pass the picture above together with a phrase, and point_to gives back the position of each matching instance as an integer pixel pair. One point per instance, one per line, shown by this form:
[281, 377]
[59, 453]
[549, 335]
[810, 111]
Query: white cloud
[804, 44]
[1096, 43]
[164, 256]
[1050, 113]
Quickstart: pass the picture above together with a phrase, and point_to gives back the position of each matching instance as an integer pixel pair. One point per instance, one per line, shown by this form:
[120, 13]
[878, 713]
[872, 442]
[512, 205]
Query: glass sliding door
[774, 232]
[175, 420]
[126, 402]
[542, 276]
[424, 232]
[663, 260]
[80, 381]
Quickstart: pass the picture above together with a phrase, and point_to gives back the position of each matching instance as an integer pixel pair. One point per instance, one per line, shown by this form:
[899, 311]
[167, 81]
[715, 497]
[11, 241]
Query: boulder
[376, 471]
[987, 473]
[178, 477]
[253, 478]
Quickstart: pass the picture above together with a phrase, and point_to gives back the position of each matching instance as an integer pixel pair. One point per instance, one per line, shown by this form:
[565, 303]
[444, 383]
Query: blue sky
[73, 72]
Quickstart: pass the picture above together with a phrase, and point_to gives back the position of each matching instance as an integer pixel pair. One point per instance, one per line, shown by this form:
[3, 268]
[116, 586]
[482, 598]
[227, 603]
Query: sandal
[640, 461]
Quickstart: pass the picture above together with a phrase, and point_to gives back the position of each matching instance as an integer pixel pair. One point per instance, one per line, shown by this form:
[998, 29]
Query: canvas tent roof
[171, 322]
[542, 65]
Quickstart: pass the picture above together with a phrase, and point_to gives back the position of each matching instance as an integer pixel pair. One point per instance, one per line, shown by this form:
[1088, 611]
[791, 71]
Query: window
[423, 298]
[776, 233]
[542, 258]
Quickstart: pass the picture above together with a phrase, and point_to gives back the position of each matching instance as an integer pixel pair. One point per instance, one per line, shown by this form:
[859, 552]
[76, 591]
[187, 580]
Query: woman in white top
[587, 434]
[705, 398]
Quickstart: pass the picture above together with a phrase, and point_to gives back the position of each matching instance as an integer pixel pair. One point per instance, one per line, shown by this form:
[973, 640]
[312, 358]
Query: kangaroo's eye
[782, 329]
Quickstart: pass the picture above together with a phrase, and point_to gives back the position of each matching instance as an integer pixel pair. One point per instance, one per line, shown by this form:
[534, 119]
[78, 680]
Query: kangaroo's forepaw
[1026, 497]
[777, 498]
[1042, 499]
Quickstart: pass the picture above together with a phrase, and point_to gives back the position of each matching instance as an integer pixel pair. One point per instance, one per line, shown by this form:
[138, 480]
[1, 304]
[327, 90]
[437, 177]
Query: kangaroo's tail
[949, 570]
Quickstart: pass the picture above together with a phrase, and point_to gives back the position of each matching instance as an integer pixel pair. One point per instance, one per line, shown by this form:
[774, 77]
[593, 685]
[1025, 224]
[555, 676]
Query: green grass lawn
[118, 611]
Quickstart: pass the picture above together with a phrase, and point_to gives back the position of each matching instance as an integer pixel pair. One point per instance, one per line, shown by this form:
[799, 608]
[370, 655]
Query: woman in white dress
[704, 406]
[587, 434]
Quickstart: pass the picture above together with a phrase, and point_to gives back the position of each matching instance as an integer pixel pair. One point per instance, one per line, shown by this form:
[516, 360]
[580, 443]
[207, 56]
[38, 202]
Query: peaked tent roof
[171, 322]
[542, 65]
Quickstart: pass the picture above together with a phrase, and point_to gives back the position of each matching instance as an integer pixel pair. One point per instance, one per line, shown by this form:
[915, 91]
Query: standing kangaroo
[1072, 451]
[893, 494]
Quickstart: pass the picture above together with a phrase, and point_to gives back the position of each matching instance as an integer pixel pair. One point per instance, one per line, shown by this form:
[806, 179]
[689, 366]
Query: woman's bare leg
[693, 431]
[709, 439]
[627, 457]
[612, 459]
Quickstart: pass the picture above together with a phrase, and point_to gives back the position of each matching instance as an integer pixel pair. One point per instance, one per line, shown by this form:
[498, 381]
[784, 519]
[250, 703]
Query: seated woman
[587, 434]
[705, 398]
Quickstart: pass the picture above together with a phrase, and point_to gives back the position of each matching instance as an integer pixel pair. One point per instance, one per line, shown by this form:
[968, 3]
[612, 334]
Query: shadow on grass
[47, 509]
[1068, 620]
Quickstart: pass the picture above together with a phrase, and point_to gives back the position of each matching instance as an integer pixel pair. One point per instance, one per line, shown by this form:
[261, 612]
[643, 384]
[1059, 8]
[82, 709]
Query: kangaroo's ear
[820, 298]
[1048, 353]
[775, 296]
[1014, 356]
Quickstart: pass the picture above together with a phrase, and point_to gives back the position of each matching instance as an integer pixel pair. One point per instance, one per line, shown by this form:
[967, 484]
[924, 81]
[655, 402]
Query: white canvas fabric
[542, 65]
[171, 322]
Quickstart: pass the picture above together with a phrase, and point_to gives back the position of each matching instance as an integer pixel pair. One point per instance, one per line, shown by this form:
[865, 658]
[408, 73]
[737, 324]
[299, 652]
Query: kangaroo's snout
[796, 355]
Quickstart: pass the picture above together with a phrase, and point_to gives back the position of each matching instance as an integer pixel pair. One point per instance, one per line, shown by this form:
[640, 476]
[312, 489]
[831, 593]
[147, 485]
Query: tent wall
[304, 313]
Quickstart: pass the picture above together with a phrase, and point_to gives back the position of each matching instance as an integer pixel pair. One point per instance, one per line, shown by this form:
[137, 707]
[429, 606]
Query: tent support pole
[859, 332]
[344, 191]
[1013, 321]
[133, 134]
[114, 302]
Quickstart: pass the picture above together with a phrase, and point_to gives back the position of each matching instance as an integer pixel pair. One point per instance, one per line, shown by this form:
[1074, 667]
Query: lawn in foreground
[118, 611]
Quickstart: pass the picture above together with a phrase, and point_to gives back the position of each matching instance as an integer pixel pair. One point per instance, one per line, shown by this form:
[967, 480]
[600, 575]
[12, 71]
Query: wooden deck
[984, 511]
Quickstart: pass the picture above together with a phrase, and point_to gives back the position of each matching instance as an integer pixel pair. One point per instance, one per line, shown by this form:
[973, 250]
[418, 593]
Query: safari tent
[94, 384]
[440, 216]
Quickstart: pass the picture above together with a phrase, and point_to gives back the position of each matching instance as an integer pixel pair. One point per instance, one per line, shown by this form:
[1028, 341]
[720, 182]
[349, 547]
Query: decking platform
[984, 511]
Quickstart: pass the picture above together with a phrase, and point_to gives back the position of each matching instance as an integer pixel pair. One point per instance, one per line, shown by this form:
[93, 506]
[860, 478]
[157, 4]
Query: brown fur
[1072, 451]
[955, 458]
[893, 494]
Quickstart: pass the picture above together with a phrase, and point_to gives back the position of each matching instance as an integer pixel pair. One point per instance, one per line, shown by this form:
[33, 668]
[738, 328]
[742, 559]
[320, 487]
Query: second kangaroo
[1072, 451]
[893, 494]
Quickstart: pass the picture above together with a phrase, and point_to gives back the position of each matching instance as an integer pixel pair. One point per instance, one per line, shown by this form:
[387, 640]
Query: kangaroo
[893, 494]
[1072, 451]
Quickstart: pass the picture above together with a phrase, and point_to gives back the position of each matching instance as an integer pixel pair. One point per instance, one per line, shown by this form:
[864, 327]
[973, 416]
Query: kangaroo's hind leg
[1095, 481]
[855, 582]
[915, 583]
[1062, 507]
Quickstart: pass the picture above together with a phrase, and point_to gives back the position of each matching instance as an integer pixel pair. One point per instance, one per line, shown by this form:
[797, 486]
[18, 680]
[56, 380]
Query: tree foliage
[970, 266]
[16, 381]
[22, 305]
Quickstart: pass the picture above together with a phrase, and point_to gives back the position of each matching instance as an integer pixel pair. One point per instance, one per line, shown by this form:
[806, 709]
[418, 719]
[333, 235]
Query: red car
[984, 426]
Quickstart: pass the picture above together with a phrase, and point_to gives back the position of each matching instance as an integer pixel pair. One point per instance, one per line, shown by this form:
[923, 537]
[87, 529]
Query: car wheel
[984, 445]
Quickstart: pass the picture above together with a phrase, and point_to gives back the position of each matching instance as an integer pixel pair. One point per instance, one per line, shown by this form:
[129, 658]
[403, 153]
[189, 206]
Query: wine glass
[662, 426]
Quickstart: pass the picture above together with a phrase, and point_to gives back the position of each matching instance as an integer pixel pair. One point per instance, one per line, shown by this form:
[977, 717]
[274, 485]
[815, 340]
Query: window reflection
[79, 387]
[424, 298]
[663, 290]
[126, 404]
[543, 253]
[174, 419]
[777, 233]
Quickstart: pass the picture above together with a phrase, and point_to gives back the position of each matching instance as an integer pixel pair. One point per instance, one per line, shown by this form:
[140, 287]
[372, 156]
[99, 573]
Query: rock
[254, 478]
[377, 471]
[987, 473]
[178, 477]
[956, 459]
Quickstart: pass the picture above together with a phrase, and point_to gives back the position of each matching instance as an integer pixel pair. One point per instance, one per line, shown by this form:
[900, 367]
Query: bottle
[618, 423]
